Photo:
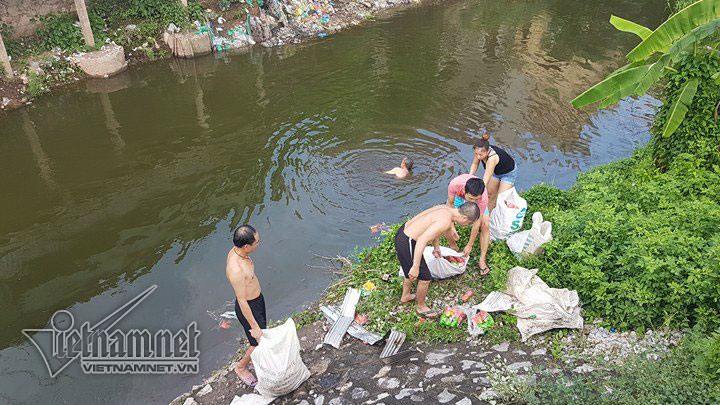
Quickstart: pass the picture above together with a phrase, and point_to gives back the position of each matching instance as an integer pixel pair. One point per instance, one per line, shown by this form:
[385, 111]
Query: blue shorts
[509, 177]
[460, 201]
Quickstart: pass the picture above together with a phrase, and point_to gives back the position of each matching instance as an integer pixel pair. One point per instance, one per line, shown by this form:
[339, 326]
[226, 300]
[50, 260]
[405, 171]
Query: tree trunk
[5, 60]
[84, 22]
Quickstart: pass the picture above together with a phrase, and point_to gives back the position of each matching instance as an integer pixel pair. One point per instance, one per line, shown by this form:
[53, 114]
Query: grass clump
[675, 379]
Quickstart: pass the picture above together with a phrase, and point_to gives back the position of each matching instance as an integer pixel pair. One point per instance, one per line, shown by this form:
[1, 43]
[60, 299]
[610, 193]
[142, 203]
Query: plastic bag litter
[278, 365]
[478, 321]
[441, 268]
[251, 399]
[538, 308]
[508, 215]
[529, 242]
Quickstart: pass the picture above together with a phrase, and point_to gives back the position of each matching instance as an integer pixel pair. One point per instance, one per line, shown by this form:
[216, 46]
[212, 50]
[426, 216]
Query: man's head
[482, 147]
[469, 213]
[246, 238]
[407, 163]
[474, 189]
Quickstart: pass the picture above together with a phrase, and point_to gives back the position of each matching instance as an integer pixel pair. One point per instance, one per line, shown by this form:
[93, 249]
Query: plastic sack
[508, 215]
[278, 365]
[529, 242]
[441, 268]
[537, 306]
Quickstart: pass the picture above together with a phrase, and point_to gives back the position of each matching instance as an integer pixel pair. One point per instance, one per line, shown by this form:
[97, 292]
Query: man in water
[404, 170]
[249, 301]
[467, 187]
[411, 240]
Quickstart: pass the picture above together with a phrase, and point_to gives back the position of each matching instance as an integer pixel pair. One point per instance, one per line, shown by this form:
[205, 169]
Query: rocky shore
[472, 371]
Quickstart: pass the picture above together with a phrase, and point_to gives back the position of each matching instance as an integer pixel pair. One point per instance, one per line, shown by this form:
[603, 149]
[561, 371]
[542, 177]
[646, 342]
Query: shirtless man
[249, 301]
[411, 240]
[404, 170]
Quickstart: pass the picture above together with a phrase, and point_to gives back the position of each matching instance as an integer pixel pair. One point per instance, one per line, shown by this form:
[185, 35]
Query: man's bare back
[241, 274]
[440, 215]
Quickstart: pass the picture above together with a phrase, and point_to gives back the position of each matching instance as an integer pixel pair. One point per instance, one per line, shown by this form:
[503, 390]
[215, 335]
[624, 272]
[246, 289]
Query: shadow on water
[112, 186]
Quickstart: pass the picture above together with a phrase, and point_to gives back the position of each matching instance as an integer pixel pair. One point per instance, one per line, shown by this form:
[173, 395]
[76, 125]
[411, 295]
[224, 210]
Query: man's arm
[451, 201]
[473, 235]
[474, 165]
[432, 233]
[238, 284]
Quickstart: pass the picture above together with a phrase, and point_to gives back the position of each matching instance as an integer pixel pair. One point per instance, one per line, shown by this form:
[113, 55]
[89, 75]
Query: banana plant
[654, 56]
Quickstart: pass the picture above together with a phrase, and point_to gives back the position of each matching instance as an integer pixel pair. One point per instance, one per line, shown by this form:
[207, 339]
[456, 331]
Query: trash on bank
[393, 343]
[332, 314]
[381, 227]
[538, 308]
[466, 297]
[368, 288]
[224, 324]
[508, 215]
[347, 315]
[479, 322]
[530, 242]
[361, 319]
[452, 317]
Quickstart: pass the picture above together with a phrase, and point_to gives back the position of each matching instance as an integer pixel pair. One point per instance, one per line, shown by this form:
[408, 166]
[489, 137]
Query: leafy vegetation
[676, 379]
[658, 53]
[641, 247]
[61, 31]
[699, 133]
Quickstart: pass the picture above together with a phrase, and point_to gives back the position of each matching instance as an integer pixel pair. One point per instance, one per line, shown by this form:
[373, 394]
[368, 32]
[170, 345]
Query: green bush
[706, 355]
[163, 12]
[641, 247]
[699, 133]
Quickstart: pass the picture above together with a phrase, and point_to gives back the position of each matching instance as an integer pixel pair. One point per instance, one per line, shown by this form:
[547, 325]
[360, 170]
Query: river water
[109, 187]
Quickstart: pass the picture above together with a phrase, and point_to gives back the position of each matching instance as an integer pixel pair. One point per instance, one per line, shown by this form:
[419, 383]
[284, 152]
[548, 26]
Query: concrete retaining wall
[19, 13]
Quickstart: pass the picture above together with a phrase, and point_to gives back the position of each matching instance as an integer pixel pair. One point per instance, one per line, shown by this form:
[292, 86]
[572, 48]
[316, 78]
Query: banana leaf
[657, 69]
[680, 107]
[677, 26]
[628, 26]
[622, 81]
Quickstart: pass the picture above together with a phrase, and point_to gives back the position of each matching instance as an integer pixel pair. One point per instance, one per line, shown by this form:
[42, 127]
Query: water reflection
[139, 179]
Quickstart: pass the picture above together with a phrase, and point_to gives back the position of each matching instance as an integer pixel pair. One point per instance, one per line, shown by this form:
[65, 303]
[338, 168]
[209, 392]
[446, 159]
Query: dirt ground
[426, 373]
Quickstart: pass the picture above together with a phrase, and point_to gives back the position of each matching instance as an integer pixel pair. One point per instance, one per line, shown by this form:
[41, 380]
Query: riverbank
[40, 72]
[636, 271]
[467, 372]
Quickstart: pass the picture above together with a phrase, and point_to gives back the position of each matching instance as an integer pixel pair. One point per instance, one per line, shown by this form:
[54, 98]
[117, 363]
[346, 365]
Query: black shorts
[405, 248]
[257, 307]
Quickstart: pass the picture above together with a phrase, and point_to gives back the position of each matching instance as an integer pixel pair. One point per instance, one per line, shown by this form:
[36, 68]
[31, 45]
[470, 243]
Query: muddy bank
[471, 371]
[229, 31]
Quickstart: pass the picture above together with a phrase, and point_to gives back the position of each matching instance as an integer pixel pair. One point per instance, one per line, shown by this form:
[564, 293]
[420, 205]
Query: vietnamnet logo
[102, 349]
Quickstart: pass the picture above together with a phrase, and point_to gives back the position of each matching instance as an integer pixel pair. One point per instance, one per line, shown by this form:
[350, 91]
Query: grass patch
[675, 379]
